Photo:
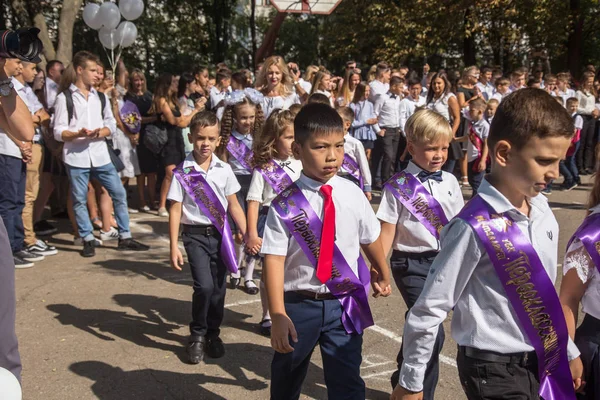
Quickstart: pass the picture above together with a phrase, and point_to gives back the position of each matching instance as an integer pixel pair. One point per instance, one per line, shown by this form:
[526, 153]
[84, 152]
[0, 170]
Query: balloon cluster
[107, 19]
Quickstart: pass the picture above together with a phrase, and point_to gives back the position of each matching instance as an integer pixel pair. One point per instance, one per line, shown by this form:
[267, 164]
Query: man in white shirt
[408, 106]
[54, 70]
[381, 84]
[84, 129]
[485, 83]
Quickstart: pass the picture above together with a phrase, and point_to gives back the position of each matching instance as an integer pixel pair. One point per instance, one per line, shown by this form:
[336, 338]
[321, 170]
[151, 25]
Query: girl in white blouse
[588, 111]
[581, 284]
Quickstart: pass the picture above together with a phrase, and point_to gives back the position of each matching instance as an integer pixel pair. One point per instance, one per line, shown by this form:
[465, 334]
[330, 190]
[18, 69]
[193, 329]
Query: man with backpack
[83, 120]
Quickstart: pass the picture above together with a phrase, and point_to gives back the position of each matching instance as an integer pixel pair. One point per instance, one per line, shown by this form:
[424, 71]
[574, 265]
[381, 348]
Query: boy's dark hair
[51, 65]
[485, 69]
[478, 104]
[382, 67]
[223, 74]
[316, 119]
[318, 98]
[414, 81]
[572, 100]
[241, 79]
[346, 113]
[502, 81]
[533, 81]
[518, 72]
[396, 80]
[529, 113]
[202, 120]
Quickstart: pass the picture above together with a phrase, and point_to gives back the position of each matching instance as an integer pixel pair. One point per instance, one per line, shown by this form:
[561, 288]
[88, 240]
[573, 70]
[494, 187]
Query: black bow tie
[424, 175]
[393, 96]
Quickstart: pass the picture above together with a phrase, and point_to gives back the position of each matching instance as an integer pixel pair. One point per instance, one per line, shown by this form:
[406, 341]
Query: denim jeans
[12, 199]
[568, 167]
[109, 178]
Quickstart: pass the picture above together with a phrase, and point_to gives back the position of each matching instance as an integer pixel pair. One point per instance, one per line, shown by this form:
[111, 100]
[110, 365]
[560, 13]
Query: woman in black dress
[166, 109]
[142, 98]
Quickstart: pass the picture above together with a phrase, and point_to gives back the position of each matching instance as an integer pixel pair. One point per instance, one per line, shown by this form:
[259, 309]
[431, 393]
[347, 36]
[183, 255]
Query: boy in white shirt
[406, 228]
[314, 270]
[496, 270]
[203, 192]
[355, 165]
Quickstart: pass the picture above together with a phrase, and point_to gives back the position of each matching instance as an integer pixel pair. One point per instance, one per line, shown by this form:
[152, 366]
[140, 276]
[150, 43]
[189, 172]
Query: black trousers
[386, 152]
[585, 156]
[410, 271]
[587, 339]
[208, 272]
[485, 380]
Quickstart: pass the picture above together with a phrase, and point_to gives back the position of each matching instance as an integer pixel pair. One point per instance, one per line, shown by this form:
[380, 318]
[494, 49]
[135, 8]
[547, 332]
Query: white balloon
[108, 37]
[127, 33]
[109, 15]
[131, 9]
[90, 14]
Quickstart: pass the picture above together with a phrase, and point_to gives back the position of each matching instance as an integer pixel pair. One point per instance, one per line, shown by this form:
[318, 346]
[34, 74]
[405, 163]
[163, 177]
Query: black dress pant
[585, 156]
[386, 152]
[410, 271]
[587, 339]
[485, 380]
[208, 272]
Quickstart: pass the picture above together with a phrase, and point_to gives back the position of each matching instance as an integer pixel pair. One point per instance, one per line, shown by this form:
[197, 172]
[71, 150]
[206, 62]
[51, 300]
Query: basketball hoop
[306, 6]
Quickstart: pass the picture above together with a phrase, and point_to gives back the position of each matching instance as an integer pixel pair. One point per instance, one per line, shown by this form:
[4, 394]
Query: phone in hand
[108, 74]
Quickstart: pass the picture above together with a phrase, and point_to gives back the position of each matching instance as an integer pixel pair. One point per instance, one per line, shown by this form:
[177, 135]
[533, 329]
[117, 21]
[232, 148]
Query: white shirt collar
[191, 162]
[316, 185]
[74, 89]
[239, 136]
[18, 85]
[501, 204]
[413, 168]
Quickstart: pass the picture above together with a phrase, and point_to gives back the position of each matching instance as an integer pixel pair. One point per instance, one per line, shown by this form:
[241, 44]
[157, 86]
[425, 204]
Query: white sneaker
[132, 211]
[112, 234]
[79, 242]
[42, 248]
[145, 209]
[162, 212]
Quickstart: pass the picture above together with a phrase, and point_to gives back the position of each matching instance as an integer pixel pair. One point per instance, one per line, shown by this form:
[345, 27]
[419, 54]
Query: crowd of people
[255, 168]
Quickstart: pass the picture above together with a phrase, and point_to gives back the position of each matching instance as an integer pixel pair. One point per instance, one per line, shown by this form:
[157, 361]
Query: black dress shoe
[195, 351]
[214, 347]
[394, 379]
[234, 282]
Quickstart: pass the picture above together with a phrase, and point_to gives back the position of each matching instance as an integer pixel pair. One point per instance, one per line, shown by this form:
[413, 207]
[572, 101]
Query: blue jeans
[12, 199]
[109, 178]
[568, 167]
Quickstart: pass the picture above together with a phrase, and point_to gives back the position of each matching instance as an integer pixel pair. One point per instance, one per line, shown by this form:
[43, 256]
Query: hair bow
[237, 96]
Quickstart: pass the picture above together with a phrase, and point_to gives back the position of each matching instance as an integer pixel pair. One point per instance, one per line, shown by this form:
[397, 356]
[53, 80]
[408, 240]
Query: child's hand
[239, 239]
[380, 285]
[381, 133]
[576, 367]
[400, 393]
[372, 121]
[176, 259]
[482, 165]
[369, 196]
[282, 328]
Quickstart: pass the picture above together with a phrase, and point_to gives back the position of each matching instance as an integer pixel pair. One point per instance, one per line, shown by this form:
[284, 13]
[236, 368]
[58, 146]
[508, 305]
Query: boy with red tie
[316, 278]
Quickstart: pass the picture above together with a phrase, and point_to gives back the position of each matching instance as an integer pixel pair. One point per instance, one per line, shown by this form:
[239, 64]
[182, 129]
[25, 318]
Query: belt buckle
[524, 360]
[210, 231]
[320, 296]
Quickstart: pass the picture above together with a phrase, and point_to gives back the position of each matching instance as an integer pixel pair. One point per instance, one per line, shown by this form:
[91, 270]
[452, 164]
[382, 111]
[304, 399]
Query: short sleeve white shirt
[263, 192]
[220, 178]
[482, 130]
[355, 224]
[278, 102]
[237, 166]
[355, 149]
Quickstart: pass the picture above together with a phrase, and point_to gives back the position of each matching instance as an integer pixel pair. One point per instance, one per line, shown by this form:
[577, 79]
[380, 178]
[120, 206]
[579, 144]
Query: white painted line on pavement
[388, 373]
[398, 338]
[241, 303]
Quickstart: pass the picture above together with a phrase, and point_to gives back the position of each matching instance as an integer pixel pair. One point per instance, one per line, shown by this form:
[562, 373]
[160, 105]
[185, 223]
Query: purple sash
[350, 290]
[241, 152]
[205, 198]
[352, 168]
[275, 176]
[589, 234]
[531, 294]
[418, 201]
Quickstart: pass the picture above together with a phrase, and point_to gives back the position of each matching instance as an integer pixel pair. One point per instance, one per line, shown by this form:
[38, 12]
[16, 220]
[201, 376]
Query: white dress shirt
[278, 102]
[387, 109]
[262, 191]
[51, 92]
[441, 106]
[482, 130]
[327, 94]
[500, 96]
[26, 94]
[87, 113]
[307, 86]
[567, 94]
[463, 278]
[237, 166]
[377, 88]
[220, 178]
[216, 97]
[408, 105]
[7, 146]
[486, 90]
[355, 224]
[587, 102]
[411, 235]
[577, 257]
[355, 149]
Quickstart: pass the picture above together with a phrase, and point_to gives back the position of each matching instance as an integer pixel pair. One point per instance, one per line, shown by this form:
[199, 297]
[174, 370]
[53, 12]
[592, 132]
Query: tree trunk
[469, 40]
[268, 44]
[68, 13]
[575, 38]
[253, 32]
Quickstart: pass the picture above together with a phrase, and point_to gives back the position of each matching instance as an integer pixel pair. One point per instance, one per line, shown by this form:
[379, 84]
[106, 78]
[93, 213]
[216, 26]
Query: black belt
[523, 359]
[315, 295]
[206, 230]
[414, 256]
[389, 127]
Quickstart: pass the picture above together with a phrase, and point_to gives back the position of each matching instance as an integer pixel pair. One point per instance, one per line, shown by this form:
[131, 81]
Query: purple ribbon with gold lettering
[205, 198]
[352, 168]
[352, 291]
[531, 294]
[589, 234]
[241, 152]
[418, 201]
[275, 176]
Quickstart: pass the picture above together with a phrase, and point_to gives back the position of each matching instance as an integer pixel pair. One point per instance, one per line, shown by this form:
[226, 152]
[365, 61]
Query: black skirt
[587, 339]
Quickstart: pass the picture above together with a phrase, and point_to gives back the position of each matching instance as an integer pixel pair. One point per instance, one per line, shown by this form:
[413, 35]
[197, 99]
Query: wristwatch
[6, 87]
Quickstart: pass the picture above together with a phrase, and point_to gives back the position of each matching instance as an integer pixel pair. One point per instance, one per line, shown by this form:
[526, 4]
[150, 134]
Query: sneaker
[42, 248]
[145, 209]
[22, 264]
[547, 191]
[28, 256]
[79, 242]
[112, 234]
[89, 248]
[568, 186]
[44, 228]
[162, 212]
[578, 180]
[130, 244]
[132, 211]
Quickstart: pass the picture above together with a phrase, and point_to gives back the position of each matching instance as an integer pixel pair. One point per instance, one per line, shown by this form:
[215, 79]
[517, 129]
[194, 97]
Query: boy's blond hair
[426, 126]
[493, 101]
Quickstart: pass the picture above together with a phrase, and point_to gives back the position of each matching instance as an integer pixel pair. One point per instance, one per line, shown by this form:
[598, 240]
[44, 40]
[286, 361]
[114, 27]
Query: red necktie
[325, 261]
